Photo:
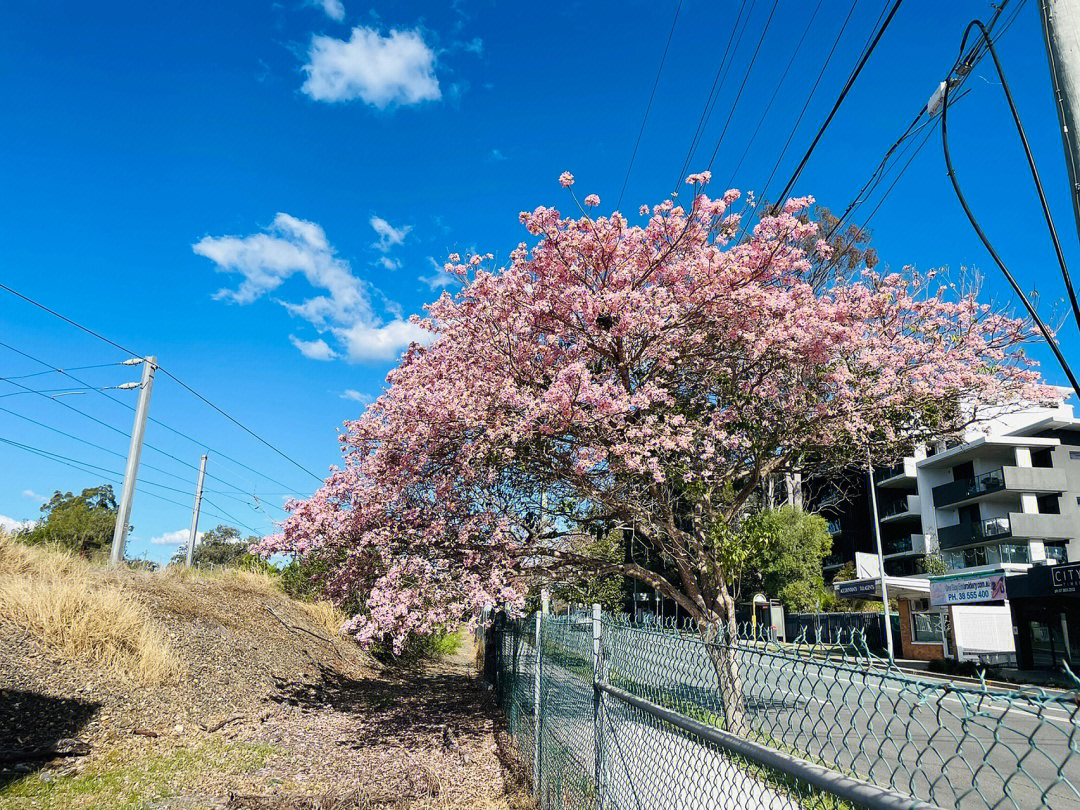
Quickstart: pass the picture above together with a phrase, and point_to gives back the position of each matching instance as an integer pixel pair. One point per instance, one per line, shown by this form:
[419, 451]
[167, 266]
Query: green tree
[784, 561]
[606, 589]
[83, 523]
[220, 546]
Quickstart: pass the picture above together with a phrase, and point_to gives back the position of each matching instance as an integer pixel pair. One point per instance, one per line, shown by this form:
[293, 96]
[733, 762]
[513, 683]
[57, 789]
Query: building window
[1042, 458]
[1074, 455]
[1049, 504]
[1058, 552]
[925, 626]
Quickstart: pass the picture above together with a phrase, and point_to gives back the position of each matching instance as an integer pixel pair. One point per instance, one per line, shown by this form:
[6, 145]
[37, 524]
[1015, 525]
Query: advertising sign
[965, 591]
[1065, 578]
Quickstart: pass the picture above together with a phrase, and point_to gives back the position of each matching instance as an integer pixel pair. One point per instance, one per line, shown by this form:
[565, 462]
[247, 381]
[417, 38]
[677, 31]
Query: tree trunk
[721, 634]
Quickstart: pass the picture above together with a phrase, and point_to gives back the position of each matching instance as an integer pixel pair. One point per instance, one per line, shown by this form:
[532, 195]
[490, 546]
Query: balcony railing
[909, 504]
[833, 527]
[956, 491]
[898, 546]
[976, 531]
[833, 561]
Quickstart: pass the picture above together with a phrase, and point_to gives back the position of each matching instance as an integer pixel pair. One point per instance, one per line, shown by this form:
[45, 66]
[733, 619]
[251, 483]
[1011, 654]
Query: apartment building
[1002, 509]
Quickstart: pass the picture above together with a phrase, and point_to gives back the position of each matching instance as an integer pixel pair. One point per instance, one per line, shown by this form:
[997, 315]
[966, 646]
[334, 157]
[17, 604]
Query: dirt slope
[260, 707]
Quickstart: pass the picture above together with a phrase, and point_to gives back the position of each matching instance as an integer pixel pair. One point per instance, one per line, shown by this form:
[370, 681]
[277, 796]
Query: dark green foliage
[81, 523]
[786, 563]
[221, 546]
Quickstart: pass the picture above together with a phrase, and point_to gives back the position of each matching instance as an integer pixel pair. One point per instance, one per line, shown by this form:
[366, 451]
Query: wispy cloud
[313, 349]
[292, 246]
[333, 8]
[389, 236]
[177, 538]
[495, 154]
[357, 396]
[397, 69]
[29, 493]
[439, 279]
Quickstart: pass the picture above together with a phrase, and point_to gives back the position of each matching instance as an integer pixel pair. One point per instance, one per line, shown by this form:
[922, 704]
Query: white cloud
[10, 525]
[357, 396]
[390, 264]
[29, 493]
[177, 538]
[396, 69]
[497, 155]
[476, 46]
[292, 246]
[313, 349]
[439, 279]
[333, 8]
[365, 343]
[388, 234]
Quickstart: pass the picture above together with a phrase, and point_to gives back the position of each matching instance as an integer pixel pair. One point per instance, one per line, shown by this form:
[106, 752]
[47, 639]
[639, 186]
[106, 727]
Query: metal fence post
[598, 731]
[537, 667]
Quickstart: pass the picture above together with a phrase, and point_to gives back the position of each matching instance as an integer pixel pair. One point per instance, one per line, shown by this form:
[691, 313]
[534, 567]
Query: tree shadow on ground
[405, 706]
[36, 729]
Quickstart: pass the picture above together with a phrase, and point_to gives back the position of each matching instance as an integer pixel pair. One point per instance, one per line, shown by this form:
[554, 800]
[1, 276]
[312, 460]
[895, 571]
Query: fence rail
[609, 715]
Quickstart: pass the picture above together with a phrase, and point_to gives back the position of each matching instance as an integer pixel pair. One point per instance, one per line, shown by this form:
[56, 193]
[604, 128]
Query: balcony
[906, 508]
[972, 532]
[1036, 480]
[904, 546]
[898, 475]
[1020, 525]
[833, 527]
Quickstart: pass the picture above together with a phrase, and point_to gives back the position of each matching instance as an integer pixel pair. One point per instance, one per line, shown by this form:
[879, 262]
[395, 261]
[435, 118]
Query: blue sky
[260, 194]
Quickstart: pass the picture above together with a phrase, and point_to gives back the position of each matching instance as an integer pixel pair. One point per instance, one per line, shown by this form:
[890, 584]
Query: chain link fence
[610, 715]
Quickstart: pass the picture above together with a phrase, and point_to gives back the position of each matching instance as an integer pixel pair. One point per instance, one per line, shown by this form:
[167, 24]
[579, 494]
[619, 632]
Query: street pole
[880, 558]
[131, 471]
[195, 512]
[1061, 26]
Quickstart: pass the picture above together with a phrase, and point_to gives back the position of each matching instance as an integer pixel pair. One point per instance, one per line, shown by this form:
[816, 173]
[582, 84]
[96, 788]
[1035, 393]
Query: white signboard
[963, 591]
[866, 565]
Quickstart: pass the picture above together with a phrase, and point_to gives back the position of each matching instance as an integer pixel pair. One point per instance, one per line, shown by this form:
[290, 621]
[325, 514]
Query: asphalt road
[953, 748]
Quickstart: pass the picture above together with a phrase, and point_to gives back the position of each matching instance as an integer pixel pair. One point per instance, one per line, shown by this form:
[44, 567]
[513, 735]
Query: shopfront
[1046, 615]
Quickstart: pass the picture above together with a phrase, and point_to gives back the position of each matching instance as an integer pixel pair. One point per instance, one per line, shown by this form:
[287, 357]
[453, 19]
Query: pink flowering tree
[644, 377]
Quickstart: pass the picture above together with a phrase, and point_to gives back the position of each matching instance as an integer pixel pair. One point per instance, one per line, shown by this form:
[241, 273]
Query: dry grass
[326, 615]
[66, 605]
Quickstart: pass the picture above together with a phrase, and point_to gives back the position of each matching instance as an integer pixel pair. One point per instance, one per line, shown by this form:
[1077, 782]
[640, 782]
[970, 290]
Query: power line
[974, 56]
[775, 92]
[131, 407]
[975, 223]
[742, 86]
[809, 97]
[840, 100]
[165, 371]
[57, 370]
[706, 111]
[648, 106]
[116, 478]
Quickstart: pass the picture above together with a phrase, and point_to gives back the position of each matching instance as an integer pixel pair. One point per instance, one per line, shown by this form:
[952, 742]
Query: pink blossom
[609, 366]
[566, 179]
[592, 200]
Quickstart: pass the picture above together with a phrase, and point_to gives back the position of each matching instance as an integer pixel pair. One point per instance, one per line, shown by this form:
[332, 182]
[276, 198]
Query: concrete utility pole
[1061, 32]
[131, 471]
[887, 617]
[195, 512]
